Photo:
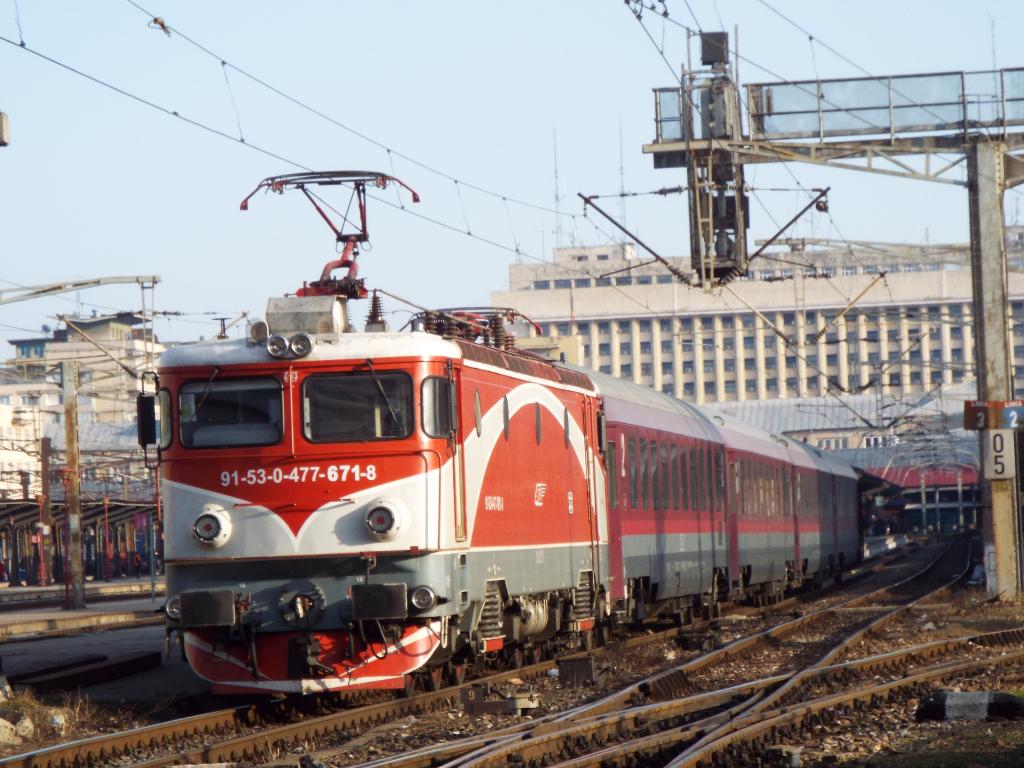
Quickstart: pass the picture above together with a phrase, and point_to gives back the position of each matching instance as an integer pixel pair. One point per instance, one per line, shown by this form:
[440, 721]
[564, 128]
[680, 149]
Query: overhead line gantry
[923, 127]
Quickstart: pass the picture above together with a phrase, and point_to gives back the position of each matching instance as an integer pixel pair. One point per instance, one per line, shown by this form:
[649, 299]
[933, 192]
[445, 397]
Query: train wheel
[516, 657]
[587, 641]
[408, 689]
[434, 678]
[456, 673]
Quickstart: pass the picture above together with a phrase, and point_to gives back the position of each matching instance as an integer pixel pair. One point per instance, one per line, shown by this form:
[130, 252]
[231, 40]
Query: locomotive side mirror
[145, 410]
[602, 432]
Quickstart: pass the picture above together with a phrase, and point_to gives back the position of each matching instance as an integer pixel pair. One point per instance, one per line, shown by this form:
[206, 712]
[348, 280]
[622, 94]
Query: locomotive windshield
[233, 412]
[353, 407]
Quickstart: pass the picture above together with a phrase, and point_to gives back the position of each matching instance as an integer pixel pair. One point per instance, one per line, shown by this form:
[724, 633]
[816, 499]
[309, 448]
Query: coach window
[694, 490]
[710, 484]
[752, 507]
[684, 482]
[745, 485]
[666, 502]
[655, 477]
[631, 450]
[774, 490]
[675, 475]
[217, 413]
[702, 489]
[354, 407]
[722, 490]
[645, 481]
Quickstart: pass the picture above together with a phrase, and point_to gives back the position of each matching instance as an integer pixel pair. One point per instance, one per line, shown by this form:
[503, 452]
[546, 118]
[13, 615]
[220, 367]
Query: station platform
[27, 622]
[13, 598]
[34, 638]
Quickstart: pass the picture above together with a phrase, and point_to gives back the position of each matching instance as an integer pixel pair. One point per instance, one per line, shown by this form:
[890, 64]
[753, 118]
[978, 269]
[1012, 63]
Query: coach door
[792, 509]
[734, 499]
[834, 509]
[590, 468]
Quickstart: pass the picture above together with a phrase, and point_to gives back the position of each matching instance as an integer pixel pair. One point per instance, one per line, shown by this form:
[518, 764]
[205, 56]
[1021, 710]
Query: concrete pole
[960, 498]
[988, 275]
[45, 511]
[924, 505]
[69, 390]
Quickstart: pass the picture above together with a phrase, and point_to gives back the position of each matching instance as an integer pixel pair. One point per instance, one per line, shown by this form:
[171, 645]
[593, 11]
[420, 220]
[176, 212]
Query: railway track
[664, 714]
[249, 732]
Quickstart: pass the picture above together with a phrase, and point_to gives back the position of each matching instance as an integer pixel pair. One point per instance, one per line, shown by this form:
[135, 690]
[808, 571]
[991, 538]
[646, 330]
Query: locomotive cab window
[214, 414]
[165, 429]
[436, 402]
[355, 407]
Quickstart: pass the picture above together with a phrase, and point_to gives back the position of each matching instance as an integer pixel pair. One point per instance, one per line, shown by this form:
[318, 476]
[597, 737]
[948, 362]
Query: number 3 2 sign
[999, 457]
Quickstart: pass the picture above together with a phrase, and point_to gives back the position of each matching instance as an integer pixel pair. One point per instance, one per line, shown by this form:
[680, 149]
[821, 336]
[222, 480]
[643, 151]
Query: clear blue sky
[94, 183]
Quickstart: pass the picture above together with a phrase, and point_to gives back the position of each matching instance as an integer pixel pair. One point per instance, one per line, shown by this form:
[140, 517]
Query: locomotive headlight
[383, 521]
[212, 527]
[173, 608]
[423, 598]
[301, 344]
[277, 346]
[259, 331]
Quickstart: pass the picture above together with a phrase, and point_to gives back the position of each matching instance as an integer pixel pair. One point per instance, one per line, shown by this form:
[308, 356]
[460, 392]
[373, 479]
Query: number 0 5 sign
[999, 457]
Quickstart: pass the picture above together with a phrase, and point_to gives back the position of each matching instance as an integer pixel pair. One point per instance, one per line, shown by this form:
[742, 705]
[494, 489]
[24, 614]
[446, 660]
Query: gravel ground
[893, 739]
[620, 669]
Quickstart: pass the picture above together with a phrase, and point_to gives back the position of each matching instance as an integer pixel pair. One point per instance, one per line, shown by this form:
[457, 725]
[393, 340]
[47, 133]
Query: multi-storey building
[109, 350]
[859, 320]
[27, 410]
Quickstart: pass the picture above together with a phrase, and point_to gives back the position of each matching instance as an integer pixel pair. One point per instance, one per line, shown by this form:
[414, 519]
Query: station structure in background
[906, 126]
[71, 506]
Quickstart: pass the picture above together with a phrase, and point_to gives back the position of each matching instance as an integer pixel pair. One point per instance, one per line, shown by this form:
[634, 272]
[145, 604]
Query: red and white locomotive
[377, 509]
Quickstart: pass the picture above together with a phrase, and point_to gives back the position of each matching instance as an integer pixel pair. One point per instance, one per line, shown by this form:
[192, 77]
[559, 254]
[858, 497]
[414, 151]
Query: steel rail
[782, 721]
[625, 753]
[667, 684]
[159, 735]
[607, 716]
[790, 687]
[598, 730]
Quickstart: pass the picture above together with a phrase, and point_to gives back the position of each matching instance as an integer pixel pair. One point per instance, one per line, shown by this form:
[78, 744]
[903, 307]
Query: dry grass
[965, 745]
[58, 718]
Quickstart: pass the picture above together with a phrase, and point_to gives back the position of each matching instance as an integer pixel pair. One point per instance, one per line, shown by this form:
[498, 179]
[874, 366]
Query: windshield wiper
[387, 401]
[206, 389]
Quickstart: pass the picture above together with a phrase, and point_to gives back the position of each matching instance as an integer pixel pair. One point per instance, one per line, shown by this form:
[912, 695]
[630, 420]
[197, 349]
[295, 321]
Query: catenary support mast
[867, 124]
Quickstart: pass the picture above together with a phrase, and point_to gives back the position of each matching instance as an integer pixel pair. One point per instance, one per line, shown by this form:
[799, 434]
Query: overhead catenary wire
[832, 381]
[784, 163]
[249, 145]
[337, 123]
[516, 247]
[815, 39]
[790, 171]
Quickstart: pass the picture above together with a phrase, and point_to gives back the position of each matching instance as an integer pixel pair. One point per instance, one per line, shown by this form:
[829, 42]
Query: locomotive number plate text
[310, 473]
